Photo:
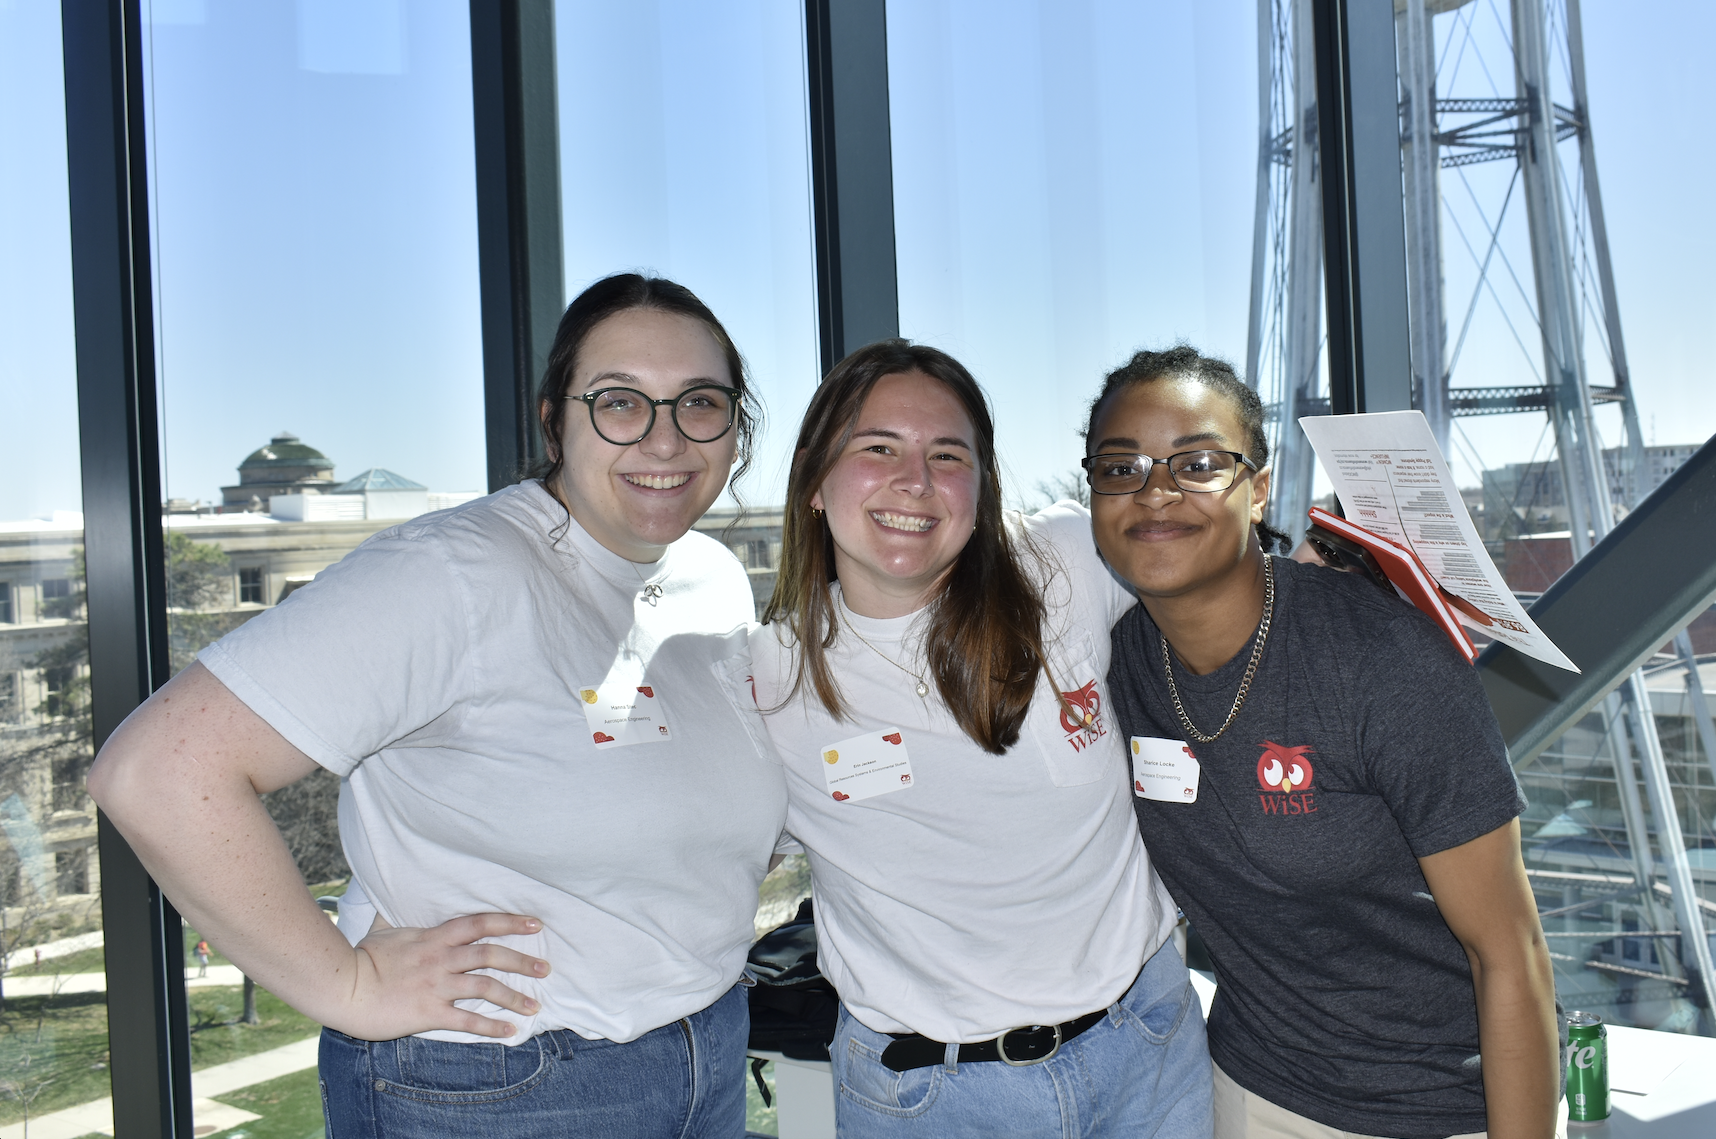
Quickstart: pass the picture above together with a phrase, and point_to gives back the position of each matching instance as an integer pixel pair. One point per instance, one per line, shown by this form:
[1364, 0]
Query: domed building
[284, 466]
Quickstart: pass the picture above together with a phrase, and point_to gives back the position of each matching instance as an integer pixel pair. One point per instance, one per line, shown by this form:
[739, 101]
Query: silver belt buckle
[1001, 1047]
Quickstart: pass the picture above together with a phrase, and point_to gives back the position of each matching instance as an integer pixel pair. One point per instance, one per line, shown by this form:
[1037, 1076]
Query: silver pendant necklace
[923, 685]
[1250, 669]
[651, 591]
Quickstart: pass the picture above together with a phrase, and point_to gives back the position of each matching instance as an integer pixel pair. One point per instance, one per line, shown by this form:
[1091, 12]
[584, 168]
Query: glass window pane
[1059, 202]
[320, 370]
[53, 1019]
[701, 173]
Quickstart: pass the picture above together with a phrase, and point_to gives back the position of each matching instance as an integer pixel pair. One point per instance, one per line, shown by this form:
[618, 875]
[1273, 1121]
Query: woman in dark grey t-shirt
[1323, 788]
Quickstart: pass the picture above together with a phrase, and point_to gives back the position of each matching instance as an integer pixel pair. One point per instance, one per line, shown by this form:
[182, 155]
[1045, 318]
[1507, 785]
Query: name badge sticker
[1164, 771]
[875, 763]
[619, 714]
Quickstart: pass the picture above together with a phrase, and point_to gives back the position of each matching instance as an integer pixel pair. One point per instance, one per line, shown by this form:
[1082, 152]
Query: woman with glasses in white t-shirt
[532, 704]
[933, 675]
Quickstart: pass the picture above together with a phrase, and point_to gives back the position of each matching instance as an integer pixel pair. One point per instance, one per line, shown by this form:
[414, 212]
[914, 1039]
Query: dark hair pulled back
[1183, 362]
[611, 296]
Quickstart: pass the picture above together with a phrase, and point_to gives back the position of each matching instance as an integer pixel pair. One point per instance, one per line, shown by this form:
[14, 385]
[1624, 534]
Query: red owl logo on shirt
[1284, 769]
[1080, 708]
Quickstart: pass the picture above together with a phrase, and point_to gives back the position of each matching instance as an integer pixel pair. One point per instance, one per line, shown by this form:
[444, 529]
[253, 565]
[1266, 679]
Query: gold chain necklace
[1250, 669]
[923, 685]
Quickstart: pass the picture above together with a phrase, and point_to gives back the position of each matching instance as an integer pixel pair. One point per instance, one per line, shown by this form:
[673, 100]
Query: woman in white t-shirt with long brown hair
[933, 675]
[532, 703]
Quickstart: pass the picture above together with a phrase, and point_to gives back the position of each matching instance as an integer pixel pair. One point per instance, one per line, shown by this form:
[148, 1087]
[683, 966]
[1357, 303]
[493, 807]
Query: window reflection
[1058, 204]
[320, 377]
[53, 1020]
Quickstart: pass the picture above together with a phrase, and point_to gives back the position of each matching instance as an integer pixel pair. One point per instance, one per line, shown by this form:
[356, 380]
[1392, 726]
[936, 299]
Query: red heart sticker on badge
[1138, 785]
[603, 738]
[892, 737]
[647, 691]
[841, 796]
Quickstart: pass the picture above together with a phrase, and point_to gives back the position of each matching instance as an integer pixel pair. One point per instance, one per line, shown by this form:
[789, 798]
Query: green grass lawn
[290, 1107]
[84, 961]
[58, 1053]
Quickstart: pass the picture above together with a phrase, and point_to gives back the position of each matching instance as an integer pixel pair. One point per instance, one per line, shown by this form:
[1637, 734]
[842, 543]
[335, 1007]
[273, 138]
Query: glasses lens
[704, 414]
[621, 415]
[1203, 470]
[1118, 474]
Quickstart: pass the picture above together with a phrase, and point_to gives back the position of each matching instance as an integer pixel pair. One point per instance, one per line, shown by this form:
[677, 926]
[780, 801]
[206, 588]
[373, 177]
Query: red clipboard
[1400, 567]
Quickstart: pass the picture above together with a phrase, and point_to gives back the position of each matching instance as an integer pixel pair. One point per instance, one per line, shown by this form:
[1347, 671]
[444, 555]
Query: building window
[57, 682]
[10, 709]
[68, 783]
[6, 617]
[71, 870]
[757, 554]
[250, 586]
[55, 588]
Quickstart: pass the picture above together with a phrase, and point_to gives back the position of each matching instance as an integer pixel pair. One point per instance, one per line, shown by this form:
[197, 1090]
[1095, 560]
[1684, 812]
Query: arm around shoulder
[181, 780]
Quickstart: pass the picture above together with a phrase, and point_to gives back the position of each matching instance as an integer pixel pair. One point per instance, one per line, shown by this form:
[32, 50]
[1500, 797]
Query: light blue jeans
[1144, 1070]
[685, 1080]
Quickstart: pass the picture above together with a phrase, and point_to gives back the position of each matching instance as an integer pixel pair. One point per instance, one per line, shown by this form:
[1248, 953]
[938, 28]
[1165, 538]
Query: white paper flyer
[1393, 480]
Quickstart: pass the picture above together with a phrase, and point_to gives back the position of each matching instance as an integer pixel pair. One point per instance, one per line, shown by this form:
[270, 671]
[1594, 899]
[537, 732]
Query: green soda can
[1587, 1068]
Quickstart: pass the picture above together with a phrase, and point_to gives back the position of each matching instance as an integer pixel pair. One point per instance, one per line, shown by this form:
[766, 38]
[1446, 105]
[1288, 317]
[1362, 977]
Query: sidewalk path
[96, 1117]
[64, 947]
[97, 982]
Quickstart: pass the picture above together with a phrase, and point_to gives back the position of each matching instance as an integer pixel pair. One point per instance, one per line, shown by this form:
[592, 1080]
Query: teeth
[658, 482]
[902, 521]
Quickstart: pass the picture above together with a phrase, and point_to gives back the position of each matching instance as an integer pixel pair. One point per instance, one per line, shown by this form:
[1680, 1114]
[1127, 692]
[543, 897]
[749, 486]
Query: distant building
[1528, 498]
[274, 540]
[285, 466]
[755, 541]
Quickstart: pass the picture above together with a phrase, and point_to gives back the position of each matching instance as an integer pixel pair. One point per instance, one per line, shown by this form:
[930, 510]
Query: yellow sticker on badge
[831, 756]
[589, 695]
[1134, 747]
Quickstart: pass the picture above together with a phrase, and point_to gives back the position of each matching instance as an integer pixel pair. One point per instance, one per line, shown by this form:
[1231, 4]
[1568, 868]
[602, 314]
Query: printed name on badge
[620, 713]
[1164, 771]
[871, 764]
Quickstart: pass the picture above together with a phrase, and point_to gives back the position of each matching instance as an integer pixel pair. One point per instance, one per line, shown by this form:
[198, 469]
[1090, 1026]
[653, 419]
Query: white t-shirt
[987, 891]
[455, 672]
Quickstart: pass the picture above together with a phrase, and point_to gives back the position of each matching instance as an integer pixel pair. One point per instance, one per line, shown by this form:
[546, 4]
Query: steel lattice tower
[1569, 247]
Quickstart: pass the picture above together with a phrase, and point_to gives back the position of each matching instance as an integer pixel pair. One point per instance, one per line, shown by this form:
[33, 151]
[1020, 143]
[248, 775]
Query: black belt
[1018, 1047]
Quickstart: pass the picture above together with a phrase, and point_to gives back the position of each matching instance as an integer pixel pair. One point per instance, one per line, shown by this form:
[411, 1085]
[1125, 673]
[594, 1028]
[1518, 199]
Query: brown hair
[611, 296]
[984, 643]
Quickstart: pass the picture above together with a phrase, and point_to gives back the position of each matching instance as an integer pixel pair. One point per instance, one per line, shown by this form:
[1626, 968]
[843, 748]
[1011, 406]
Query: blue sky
[1072, 180]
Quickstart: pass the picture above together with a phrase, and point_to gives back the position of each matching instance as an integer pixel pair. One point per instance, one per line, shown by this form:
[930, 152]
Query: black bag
[793, 1007]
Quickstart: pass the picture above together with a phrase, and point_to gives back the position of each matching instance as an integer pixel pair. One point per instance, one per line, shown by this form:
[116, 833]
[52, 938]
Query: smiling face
[1165, 541]
[637, 500]
[901, 499]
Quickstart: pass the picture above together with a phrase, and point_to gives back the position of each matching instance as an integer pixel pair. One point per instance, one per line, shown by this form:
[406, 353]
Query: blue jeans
[1144, 1070]
[685, 1080]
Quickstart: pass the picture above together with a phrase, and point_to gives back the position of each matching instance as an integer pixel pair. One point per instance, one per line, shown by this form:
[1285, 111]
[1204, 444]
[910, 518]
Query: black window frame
[521, 296]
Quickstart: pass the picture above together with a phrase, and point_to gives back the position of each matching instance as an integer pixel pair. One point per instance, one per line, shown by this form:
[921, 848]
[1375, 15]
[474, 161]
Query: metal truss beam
[1608, 616]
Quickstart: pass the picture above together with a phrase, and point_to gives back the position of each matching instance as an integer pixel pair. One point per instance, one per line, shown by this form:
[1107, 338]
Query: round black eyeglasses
[1200, 472]
[624, 416]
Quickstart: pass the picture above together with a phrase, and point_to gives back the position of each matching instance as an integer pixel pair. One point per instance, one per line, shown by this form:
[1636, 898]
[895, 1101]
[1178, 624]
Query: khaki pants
[1240, 1114]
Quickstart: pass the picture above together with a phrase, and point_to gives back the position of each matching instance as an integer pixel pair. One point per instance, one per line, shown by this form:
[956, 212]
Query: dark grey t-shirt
[1342, 995]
